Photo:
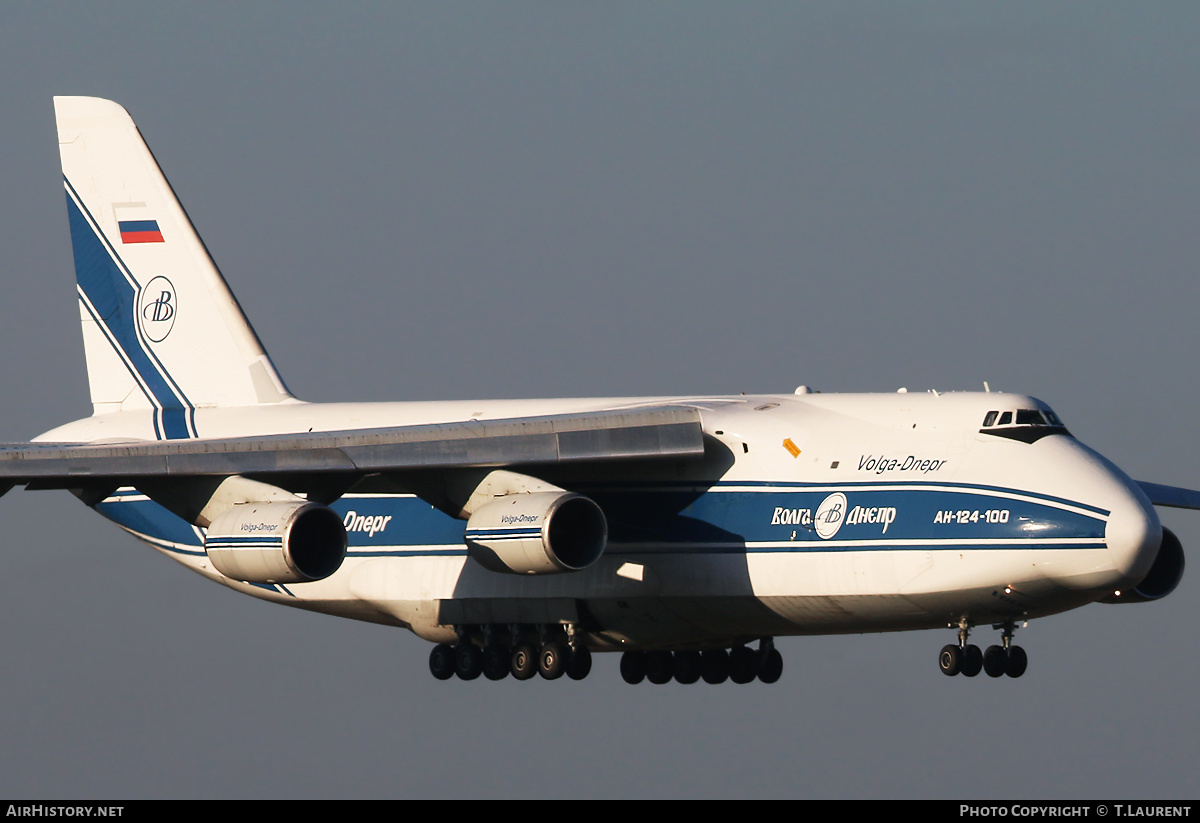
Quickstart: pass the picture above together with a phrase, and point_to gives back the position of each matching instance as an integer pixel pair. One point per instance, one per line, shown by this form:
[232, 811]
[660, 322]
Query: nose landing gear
[1006, 658]
[966, 659]
[963, 658]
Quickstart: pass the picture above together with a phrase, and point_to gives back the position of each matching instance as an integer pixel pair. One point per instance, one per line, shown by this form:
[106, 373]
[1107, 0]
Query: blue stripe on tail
[110, 295]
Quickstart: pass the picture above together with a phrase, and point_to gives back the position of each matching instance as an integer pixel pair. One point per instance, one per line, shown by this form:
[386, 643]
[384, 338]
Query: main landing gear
[555, 650]
[966, 659]
[740, 664]
[550, 651]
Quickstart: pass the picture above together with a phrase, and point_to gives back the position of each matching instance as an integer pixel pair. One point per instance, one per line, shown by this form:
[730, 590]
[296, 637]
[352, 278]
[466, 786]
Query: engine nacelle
[1163, 576]
[538, 533]
[276, 542]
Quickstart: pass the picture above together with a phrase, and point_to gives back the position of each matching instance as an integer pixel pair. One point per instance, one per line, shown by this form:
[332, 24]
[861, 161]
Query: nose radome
[1133, 535]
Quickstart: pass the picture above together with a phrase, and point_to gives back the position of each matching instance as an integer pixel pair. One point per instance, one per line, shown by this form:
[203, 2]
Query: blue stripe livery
[110, 295]
[716, 520]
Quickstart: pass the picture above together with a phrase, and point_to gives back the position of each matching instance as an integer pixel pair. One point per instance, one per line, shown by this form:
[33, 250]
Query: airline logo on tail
[156, 309]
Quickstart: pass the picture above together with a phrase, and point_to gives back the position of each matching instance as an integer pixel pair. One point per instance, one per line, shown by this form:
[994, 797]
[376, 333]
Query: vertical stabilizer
[161, 330]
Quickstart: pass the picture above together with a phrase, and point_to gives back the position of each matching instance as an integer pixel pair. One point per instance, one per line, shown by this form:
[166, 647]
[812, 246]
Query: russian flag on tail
[140, 231]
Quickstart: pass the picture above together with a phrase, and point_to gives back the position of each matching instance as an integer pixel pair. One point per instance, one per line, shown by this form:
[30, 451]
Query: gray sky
[427, 201]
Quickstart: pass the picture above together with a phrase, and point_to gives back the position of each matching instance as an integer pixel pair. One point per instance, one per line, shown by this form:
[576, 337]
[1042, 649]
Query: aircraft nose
[1133, 534]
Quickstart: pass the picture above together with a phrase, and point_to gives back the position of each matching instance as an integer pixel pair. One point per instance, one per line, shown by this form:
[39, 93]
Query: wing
[1171, 496]
[647, 433]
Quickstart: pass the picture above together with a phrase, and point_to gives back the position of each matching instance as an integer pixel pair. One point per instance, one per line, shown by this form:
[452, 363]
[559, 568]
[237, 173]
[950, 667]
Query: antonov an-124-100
[522, 537]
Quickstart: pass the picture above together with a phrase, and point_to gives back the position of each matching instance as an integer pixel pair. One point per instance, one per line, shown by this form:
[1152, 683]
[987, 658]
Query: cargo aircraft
[521, 537]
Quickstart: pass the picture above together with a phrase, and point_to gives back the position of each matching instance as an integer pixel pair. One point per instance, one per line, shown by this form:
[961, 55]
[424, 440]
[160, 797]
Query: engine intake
[277, 542]
[538, 533]
[1163, 576]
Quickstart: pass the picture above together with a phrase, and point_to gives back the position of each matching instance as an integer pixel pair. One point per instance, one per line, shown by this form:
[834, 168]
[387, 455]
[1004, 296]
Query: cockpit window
[1030, 417]
[1029, 425]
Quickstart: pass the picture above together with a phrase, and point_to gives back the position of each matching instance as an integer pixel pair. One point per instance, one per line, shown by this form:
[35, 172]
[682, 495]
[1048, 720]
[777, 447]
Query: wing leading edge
[657, 432]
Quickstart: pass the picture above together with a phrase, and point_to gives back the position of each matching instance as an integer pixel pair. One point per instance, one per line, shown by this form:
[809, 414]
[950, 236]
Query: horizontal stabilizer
[607, 435]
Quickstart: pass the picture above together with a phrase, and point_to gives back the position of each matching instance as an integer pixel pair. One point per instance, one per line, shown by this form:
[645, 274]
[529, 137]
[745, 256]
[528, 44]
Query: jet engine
[1163, 576]
[547, 532]
[276, 542]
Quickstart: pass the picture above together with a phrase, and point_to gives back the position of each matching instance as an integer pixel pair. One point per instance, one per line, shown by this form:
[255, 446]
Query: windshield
[1026, 425]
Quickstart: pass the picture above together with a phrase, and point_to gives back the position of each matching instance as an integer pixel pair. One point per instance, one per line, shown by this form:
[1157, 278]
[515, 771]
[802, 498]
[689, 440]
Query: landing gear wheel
[995, 661]
[442, 661]
[468, 661]
[950, 660]
[687, 667]
[972, 661]
[772, 667]
[552, 659]
[743, 665]
[524, 662]
[1017, 662]
[660, 666]
[714, 666]
[496, 661]
[633, 667]
[581, 663]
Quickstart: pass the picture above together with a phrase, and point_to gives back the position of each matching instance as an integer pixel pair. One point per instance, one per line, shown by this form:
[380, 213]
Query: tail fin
[161, 330]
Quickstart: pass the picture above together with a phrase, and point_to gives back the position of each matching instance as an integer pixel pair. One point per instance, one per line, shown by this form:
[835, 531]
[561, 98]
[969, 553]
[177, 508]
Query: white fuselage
[809, 514]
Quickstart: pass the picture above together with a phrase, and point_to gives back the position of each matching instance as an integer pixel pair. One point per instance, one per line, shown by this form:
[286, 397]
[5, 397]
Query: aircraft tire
[972, 661]
[580, 665]
[552, 659]
[950, 660]
[1017, 662]
[995, 661]
[772, 667]
[633, 667]
[442, 661]
[743, 665]
[468, 661]
[497, 661]
[714, 666]
[524, 662]
[660, 667]
[687, 667]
